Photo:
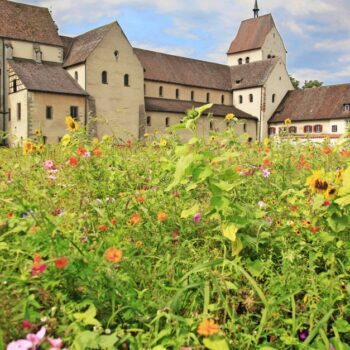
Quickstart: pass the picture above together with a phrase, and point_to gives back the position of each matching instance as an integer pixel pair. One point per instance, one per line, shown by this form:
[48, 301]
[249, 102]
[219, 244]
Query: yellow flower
[331, 193]
[146, 134]
[317, 182]
[267, 141]
[212, 139]
[37, 132]
[72, 125]
[66, 139]
[95, 141]
[28, 147]
[287, 122]
[339, 175]
[163, 142]
[229, 116]
[106, 138]
[41, 148]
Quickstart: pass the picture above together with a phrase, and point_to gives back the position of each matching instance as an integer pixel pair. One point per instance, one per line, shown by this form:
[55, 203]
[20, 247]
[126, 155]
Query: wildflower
[331, 192]
[72, 161]
[81, 151]
[176, 194]
[293, 208]
[103, 228]
[162, 216]
[327, 203]
[28, 147]
[57, 212]
[269, 220]
[303, 334]
[113, 255]
[345, 153]
[56, 344]
[229, 116]
[97, 152]
[72, 125]
[21, 344]
[37, 268]
[327, 150]
[314, 229]
[287, 122]
[61, 263]
[306, 223]
[146, 134]
[317, 182]
[114, 221]
[36, 339]
[26, 324]
[208, 328]
[140, 200]
[135, 219]
[163, 143]
[49, 164]
[66, 139]
[41, 148]
[262, 204]
[197, 218]
[139, 244]
[94, 141]
[265, 173]
[267, 162]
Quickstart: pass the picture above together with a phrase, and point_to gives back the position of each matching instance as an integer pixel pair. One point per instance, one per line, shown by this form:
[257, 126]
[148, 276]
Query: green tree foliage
[312, 84]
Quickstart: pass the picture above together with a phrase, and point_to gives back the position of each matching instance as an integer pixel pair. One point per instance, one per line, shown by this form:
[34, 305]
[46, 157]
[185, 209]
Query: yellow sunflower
[38, 132]
[66, 139]
[331, 193]
[41, 148]
[317, 182]
[287, 122]
[229, 116]
[163, 142]
[72, 125]
[27, 147]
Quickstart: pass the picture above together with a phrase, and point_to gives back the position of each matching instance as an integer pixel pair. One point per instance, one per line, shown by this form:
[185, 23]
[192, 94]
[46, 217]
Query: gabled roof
[166, 68]
[326, 102]
[46, 77]
[252, 34]
[176, 106]
[252, 74]
[79, 48]
[28, 23]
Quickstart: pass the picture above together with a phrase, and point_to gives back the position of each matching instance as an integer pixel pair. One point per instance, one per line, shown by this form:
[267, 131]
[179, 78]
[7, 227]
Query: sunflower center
[321, 185]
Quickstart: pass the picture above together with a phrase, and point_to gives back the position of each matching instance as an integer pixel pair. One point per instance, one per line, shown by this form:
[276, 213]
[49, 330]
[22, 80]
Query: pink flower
[49, 165]
[26, 324]
[265, 173]
[36, 339]
[56, 344]
[38, 269]
[21, 344]
[197, 218]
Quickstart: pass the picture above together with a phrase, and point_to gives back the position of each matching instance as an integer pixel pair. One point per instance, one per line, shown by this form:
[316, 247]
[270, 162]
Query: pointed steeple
[256, 9]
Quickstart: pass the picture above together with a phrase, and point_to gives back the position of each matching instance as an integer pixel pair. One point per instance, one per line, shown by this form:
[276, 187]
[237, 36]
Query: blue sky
[316, 32]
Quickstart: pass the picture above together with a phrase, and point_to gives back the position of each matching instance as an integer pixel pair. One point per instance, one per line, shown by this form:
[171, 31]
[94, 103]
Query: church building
[98, 76]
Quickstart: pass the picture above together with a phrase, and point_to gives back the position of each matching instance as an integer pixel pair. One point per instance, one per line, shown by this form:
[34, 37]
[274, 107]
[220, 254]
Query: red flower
[81, 151]
[38, 269]
[61, 263]
[314, 229]
[326, 203]
[176, 194]
[103, 228]
[140, 200]
[97, 152]
[175, 233]
[293, 208]
[114, 221]
[72, 161]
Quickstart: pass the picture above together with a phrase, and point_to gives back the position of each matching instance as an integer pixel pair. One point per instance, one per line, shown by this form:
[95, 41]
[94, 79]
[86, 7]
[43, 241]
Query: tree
[295, 83]
[309, 84]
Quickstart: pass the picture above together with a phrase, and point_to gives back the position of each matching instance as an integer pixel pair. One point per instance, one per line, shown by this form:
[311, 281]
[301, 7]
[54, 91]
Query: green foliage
[309, 84]
[295, 82]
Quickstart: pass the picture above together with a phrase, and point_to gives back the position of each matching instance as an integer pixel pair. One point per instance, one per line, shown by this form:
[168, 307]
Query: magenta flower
[266, 173]
[26, 324]
[303, 334]
[56, 344]
[37, 270]
[197, 218]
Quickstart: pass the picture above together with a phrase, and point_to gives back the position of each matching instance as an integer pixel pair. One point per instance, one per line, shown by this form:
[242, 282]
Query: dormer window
[240, 61]
[346, 107]
[38, 54]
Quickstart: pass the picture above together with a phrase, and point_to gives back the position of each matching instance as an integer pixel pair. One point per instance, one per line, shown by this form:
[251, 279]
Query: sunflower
[41, 148]
[28, 147]
[287, 122]
[38, 132]
[66, 139]
[317, 182]
[72, 125]
[331, 193]
[230, 116]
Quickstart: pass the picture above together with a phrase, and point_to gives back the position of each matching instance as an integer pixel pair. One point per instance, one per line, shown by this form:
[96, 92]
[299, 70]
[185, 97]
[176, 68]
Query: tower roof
[252, 34]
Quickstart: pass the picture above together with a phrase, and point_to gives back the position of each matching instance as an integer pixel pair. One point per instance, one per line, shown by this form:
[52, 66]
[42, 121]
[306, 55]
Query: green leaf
[4, 246]
[216, 344]
[342, 325]
[256, 267]
[181, 167]
[107, 341]
[220, 203]
[202, 109]
[88, 317]
[230, 231]
[237, 247]
[190, 212]
[2, 343]
[86, 340]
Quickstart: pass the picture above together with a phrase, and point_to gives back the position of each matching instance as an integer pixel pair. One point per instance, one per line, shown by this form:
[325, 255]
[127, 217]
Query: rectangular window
[334, 128]
[49, 112]
[149, 121]
[19, 112]
[74, 112]
[9, 114]
[44, 139]
[346, 107]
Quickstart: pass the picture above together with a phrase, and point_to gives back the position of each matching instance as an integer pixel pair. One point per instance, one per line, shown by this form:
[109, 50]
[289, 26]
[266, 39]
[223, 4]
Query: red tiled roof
[252, 34]
[28, 23]
[323, 103]
[177, 106]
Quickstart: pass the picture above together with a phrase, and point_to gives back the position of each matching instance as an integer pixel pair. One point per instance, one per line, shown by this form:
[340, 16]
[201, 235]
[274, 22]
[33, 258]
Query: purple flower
[265, 172]
[303, 334]
[197, 218]
[49, 164]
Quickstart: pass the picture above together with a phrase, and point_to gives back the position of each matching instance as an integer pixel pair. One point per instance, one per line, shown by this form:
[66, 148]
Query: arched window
[222, 99]
[149, 121]
[126, 80]
[177, 94]
[247, 60]
[251, 98]
[307, 129]
[292, 129]
[211, 125]
[167, 121]
[240, 61]
[272, 131]
[318, 128]
[116, 55]
[240, 99]
[104, 77]
[192, 95]
[76, 75]
[160, 91]
[208, 97]
[273, 98]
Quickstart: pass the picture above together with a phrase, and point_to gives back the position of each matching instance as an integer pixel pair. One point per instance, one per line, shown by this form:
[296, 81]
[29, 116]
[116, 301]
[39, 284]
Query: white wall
[254, 56]
[274, 46]
[18, 129]
[80, 69]
[253, 108]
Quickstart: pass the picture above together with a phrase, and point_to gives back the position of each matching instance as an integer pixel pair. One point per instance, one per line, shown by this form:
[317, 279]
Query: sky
[316, 32]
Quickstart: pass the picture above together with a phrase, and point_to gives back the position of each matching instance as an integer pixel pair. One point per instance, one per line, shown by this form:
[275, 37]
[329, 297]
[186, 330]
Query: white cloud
[177, 51]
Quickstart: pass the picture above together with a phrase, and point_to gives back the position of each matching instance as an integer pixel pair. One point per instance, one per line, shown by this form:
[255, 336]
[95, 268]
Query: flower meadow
[212, 244]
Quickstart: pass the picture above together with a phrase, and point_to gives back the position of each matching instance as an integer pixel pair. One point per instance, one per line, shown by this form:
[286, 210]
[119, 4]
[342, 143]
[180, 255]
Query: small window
[177, 94]
[19, 111]
[76, 75]
[346, 107]
[240, 99]
[49, 112]
[244, 127]
[292, 129]
[211, 125]
[273, 98]
[44, 139]
[160, 91]
[116, 55]
[334, 128]
[104, 77]
[268, 56]
[247, 60]
[74, 112]
[307, 129]
[208, 97]
[192, 95]
[222, 99]
[149, 121]
[167, 121]
[272, 131]
[126, 80]
[251, 98]
[144, 89]
[240, 61]
[14, 85]
[59, 139]
[318, 128]
[9, 114]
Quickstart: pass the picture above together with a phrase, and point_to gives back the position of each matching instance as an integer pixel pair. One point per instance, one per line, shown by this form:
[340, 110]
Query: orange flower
[303, 163]
[114, 221]
[345, 153]
[140, 199]
[239, 169]
[139, 244]
[61, 263]
[327, 150]
[135, 219]
[34, 229]
[97, 152]
[103, 228]
[208, 328]
[162, 216]
[113, 255]
[293, 208]
[314, 229]
[81, 151]
[267, 162]
[37, 259]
